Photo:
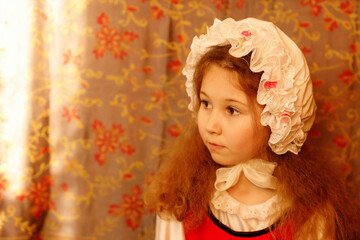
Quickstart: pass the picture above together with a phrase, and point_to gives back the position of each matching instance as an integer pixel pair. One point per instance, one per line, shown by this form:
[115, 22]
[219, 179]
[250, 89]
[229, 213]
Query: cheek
[250, 134]
[200, 122]
[242, 134]
[260, 138]
[249, 137]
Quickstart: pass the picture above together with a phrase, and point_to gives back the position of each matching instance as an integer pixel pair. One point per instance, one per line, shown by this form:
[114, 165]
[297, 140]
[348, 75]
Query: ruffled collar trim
[224, 202]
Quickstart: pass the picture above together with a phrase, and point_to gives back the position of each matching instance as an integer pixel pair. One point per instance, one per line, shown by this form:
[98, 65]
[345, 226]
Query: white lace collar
[257, 171]
[225, 203]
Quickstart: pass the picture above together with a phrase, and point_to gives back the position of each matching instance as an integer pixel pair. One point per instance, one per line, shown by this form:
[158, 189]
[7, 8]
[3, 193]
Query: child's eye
[206, 104]
[233, 111]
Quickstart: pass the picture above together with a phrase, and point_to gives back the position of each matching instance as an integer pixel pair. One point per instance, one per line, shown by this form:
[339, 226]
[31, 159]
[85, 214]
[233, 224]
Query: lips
[214, 146]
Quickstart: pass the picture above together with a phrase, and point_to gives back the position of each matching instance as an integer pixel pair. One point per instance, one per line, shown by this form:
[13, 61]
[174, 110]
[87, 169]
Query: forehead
[221, 82]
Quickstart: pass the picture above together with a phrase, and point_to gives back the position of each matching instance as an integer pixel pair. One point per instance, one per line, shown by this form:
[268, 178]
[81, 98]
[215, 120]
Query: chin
[228, 162]
[225, 163]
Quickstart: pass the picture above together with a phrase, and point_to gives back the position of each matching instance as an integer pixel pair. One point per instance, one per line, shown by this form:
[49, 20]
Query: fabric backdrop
[92, 90]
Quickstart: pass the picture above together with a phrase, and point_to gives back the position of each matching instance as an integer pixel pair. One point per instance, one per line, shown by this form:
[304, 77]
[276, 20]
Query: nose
[213, 124]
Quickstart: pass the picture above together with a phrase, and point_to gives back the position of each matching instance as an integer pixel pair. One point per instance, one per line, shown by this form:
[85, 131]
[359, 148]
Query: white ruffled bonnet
[285, 87]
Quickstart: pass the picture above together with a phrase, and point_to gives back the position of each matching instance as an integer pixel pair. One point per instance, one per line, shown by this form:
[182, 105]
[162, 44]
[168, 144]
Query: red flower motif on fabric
[341, 141]
[240, 4]
[304, 24]
[35, 211]
[329, 107]
[175, 66]
[221, 4]
[70, 58]
[348, 7]
[132, 8]
[157, 13]
[318, 82]
[41, 153]
[347, 76]
[270, 84]
[146, 120]
[174, 130]
[330, 24]
[115, 210]
[314, 133]
[130, 37]
[109, 141]
[103, 19]
[127, 148]
[305, 50]
[182, 38]
[98, 127]
[69, 114]
[132, 208]
[100, 158]
[110, 39]
[64, 187]
[39, 194]
[315, 8]
[147, 69]
[3, 185]
[159, 95]
[246, 34]
[346, 168]
[128, 176]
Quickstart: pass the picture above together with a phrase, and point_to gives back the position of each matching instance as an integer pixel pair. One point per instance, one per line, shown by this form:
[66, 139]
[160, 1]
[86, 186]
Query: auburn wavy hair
[311, 187]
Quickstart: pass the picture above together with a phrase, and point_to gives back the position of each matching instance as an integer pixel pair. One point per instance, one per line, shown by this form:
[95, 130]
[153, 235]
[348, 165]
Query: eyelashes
[233, 111]
[206, 104]
[230, 109]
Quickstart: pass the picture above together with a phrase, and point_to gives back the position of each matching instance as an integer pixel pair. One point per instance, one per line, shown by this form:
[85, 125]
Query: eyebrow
[226, 99]
[234, 100]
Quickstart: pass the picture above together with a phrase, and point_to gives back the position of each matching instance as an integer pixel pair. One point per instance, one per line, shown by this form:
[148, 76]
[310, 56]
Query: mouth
[214, 146]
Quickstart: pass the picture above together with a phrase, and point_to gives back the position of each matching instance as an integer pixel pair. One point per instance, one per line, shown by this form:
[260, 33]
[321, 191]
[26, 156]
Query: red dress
[212, 229]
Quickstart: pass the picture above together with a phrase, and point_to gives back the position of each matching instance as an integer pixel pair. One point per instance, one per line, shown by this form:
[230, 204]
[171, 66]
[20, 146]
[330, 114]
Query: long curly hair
[312, 188]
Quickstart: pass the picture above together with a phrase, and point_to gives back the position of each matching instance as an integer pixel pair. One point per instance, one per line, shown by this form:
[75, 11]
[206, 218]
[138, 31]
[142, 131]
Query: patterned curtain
[91, 91]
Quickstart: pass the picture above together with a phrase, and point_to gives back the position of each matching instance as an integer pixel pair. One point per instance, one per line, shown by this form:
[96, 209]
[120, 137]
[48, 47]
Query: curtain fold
[91, 91]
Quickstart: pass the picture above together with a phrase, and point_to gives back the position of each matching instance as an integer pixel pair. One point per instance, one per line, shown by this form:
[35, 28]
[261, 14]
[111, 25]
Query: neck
[246, 192]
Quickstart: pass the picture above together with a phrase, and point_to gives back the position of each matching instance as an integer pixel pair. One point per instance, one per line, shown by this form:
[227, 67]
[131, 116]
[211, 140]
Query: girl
[238, 172]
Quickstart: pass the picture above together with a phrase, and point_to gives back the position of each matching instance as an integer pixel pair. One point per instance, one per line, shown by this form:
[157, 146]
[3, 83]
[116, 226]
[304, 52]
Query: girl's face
[226, 119]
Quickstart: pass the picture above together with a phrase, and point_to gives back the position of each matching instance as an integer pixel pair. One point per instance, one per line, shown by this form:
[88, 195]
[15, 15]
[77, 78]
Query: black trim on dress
[238, 234]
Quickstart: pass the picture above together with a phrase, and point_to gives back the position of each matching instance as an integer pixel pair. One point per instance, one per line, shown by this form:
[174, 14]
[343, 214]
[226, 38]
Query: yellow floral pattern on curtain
[92, 90]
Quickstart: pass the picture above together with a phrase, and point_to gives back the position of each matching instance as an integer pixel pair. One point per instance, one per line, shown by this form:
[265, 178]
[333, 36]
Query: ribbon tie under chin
[257, 171]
